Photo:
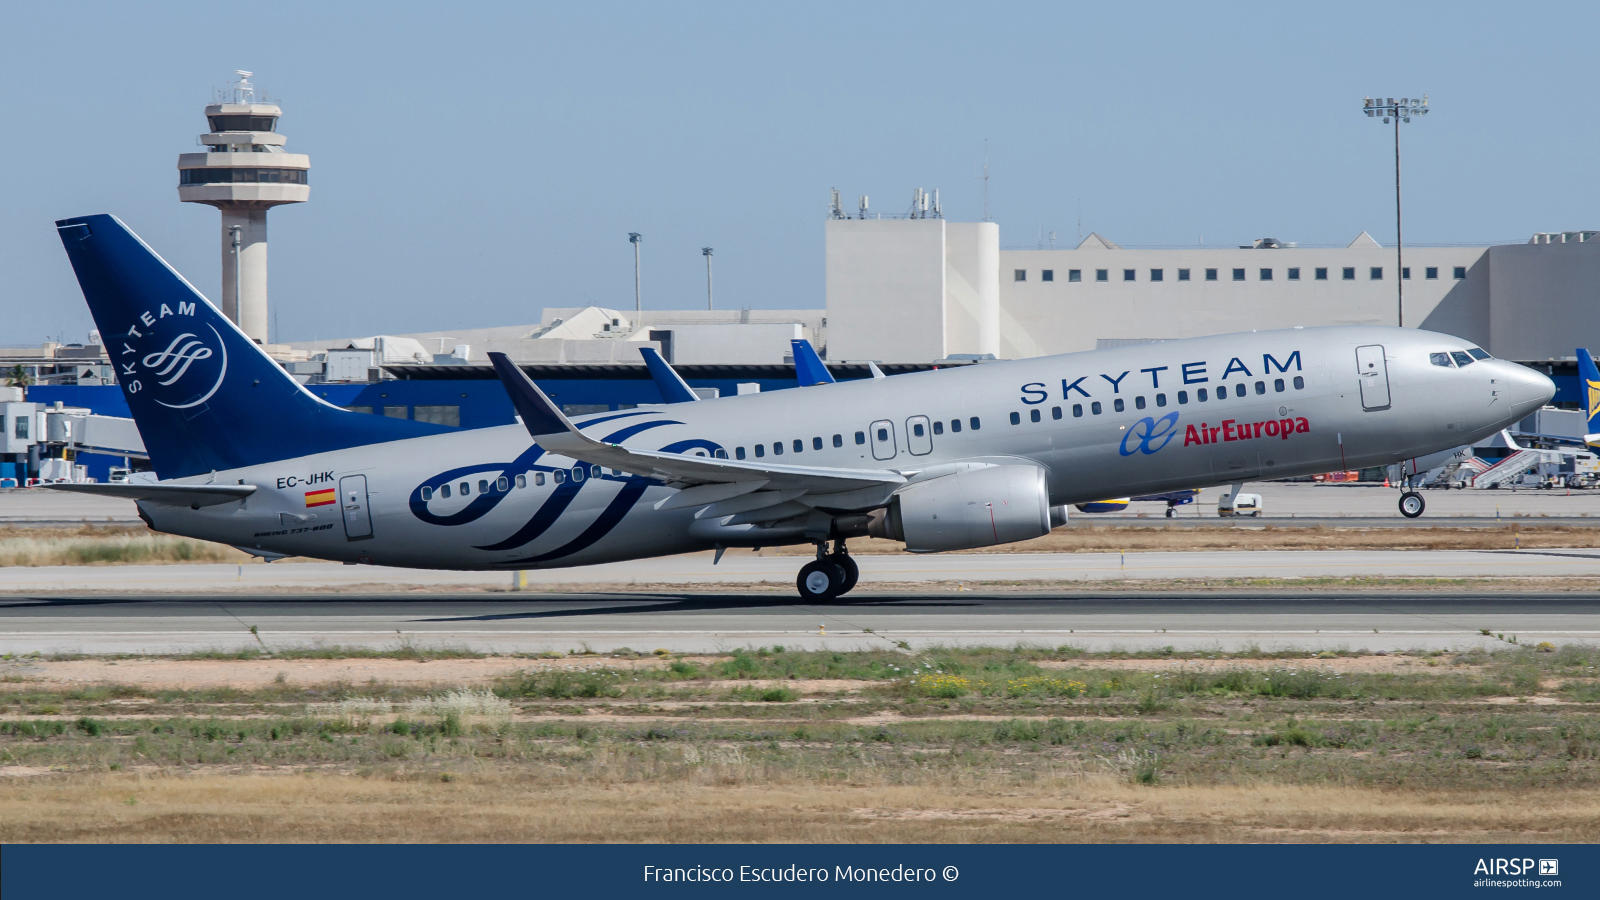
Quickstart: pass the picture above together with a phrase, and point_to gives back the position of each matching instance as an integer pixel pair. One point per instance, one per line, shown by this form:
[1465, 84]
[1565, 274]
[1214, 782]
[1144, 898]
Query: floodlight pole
[638, 300]
[707, 252]
[1405, 109]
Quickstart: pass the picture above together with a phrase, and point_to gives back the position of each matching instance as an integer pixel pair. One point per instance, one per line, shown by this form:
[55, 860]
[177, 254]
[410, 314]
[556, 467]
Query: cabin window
[596, 471]
[1095, 407]
[1033, 415]
[799, 445]
[466, 489]
[777, 448]
[1161, 400]
[1117, 404]
[444, 491]
[1138, 402]
[761, 450]
[1183, 397]
[719, 453]
[1261, 387]
[1277, 385]
[861, 437]
[1055, 412]
[1200, 395]
[816, 443]
[883, 434]
[483, 486]
[1239, 390]
[974, 423]
[738, 453]
[559, 475]
[522, 481]
[538, 479]
[938, 427]
[577, 473]
[838, 440]
[1299, 383]
[427, 494]
[1016, 419]
[917, 429]
[502, 484]
[1077, 410]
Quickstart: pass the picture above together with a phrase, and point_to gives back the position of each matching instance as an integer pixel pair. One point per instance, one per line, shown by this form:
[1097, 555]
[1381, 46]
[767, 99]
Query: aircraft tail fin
[672, 386]
[204, 396]
[1589, 375]
[808, 367]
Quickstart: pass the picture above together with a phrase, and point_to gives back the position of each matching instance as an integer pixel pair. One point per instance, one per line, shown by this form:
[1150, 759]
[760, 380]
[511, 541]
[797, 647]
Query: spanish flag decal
[326, 497]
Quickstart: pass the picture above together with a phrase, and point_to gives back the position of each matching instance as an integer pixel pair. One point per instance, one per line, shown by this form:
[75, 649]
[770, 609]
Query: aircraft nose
[1528, 389]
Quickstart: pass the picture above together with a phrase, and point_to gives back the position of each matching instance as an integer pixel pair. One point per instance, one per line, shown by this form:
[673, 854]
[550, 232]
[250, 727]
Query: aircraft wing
[190, 495]
[825, 486]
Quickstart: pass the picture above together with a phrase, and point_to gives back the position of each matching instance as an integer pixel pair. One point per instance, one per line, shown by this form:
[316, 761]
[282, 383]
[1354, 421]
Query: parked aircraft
[948, 459]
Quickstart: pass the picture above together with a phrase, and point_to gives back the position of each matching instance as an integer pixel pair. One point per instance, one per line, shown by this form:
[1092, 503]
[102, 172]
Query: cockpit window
[1440, 359]
[1462, 359]
[1479, 354]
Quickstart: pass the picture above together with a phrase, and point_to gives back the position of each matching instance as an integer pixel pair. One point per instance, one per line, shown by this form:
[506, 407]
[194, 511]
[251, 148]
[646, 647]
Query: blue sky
[473, 163]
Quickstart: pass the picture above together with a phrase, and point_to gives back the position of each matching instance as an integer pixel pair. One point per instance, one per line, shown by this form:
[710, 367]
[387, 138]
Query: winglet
[539, 415]
[808, 367]
[873, 368]
[672, 386]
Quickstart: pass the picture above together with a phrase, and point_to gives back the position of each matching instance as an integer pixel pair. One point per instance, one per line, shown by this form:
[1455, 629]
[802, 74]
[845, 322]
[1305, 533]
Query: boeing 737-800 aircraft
[950, 459]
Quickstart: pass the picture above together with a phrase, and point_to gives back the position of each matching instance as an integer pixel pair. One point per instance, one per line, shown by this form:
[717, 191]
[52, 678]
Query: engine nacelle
[976, 508]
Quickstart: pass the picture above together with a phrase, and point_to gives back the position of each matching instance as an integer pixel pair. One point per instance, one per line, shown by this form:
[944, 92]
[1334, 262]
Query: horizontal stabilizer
[190, 495]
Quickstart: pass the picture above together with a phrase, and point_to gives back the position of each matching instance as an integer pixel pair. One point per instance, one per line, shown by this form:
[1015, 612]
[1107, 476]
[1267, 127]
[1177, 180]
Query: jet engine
[974, 508]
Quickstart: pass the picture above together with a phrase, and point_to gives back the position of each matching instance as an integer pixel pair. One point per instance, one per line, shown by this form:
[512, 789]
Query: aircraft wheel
[1411, 504]
[852, 572]
[1169, 512]
[820, 581]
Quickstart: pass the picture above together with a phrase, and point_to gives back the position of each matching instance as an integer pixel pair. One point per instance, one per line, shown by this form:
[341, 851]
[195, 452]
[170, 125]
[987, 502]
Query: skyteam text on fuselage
[949, 459]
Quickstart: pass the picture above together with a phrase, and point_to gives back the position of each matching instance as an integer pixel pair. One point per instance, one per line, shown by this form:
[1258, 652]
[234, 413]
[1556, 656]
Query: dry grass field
[777, 745]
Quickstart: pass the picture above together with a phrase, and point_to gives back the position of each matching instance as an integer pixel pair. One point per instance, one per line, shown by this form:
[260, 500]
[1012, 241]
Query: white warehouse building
[918, 290]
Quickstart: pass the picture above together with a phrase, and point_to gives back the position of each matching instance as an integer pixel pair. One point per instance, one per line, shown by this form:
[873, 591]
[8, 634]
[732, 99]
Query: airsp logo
[177, 357]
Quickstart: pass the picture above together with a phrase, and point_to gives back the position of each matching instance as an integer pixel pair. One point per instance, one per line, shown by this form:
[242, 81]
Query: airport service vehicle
[1243, 505]
[949, 459]
[1173, 500]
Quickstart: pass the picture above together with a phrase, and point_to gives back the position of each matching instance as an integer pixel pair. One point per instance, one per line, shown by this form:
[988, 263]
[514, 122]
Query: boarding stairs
[1514, 466]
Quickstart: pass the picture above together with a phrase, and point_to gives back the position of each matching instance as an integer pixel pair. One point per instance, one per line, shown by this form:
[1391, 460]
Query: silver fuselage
[1397, 406]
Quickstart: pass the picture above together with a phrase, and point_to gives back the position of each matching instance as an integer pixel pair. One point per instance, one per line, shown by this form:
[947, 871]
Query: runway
[709, 622]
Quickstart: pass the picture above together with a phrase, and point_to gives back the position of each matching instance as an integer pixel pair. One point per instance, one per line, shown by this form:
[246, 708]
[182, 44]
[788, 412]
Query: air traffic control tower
[244, 172]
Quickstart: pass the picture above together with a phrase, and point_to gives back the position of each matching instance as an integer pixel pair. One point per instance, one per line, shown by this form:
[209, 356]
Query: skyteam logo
[1150, 434]
[181, 359]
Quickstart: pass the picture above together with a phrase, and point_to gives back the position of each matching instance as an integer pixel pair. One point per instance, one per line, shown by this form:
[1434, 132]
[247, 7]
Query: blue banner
[1295, 871]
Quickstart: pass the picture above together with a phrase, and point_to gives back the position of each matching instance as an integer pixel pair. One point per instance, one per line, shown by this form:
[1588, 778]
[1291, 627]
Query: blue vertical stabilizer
[808, 367]
[672, 386]
[1590, 376]
[205, 397]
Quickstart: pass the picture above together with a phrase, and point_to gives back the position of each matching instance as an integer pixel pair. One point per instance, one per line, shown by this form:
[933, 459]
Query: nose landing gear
[829, 575]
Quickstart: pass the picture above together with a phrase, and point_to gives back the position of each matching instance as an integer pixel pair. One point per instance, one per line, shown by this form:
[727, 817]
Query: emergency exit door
[1373, 374]
[353, 504]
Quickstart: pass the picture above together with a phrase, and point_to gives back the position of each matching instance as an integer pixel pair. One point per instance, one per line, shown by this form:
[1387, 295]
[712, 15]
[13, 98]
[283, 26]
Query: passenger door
[882, 434]
[919, 436]
[353, 504]
[1374, 375]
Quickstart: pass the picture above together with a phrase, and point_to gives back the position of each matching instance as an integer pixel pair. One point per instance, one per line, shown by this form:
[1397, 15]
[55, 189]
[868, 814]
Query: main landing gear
[829, 575]
[1412, 504]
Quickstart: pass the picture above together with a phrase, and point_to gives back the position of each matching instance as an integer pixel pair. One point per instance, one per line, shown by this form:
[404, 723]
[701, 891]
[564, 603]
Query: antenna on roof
[838, 208]
[985, 178]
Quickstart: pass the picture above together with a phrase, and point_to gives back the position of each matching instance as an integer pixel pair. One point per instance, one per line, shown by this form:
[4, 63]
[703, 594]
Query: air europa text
[1233, 430]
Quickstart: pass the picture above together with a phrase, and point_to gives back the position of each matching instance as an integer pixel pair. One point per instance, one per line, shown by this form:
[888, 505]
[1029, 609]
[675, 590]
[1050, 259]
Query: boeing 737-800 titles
[949, 459]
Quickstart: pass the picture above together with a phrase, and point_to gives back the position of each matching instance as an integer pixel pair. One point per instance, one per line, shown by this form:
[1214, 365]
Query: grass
[779, 745]
[91, 546]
